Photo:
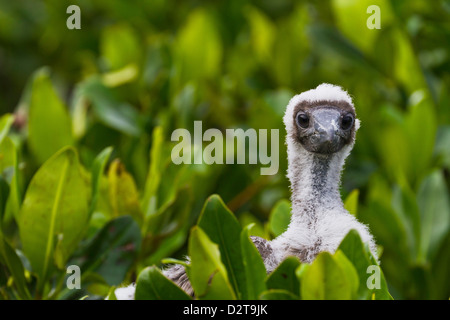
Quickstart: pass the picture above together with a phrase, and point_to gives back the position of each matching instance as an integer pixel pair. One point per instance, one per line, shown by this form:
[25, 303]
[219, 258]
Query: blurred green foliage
[88, 114]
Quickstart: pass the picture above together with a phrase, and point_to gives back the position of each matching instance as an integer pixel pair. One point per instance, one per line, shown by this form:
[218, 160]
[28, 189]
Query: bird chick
[321, 126]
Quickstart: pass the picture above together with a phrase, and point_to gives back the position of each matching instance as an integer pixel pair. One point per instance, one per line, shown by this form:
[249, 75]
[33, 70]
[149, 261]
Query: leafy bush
[86, 177]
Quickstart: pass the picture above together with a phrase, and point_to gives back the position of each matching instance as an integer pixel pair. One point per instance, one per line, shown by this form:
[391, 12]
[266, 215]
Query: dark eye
[347, 122]
[303, 120]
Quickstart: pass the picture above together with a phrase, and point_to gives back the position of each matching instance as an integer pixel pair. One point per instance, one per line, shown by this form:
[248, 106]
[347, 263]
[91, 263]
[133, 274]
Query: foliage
[86, 176]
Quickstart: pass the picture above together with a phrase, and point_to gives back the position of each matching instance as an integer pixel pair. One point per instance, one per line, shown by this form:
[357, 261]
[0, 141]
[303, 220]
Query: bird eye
[302, 120]
[347, 122]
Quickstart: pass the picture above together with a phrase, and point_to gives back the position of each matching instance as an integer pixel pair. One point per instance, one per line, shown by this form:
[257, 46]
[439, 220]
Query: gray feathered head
[321, 120]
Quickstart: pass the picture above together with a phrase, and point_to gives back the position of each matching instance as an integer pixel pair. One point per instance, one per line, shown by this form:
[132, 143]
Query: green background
[137, 70]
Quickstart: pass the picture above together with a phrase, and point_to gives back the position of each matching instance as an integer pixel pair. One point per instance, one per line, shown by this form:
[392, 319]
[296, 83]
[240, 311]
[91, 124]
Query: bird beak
[326, 126]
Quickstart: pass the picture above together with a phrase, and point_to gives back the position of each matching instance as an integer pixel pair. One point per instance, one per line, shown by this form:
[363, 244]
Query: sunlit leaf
[255, 271]
[123, 193]
[56, 207]
[280, 217]
[208, 275]
[325, 280]
[49, 124]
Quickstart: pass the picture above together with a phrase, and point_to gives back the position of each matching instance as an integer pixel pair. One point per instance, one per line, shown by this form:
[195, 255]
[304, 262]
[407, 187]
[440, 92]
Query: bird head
[322, 120]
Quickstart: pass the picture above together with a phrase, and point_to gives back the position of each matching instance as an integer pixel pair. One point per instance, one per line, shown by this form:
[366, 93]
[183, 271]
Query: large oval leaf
[284, 277]
[255, 271]
[207, 273]
[153, 285]
[54, 213]
[325, 280]
[49, 124]
[223, 228]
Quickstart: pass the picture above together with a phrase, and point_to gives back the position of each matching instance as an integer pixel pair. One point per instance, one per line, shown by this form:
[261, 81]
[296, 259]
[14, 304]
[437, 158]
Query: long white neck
[315, 182]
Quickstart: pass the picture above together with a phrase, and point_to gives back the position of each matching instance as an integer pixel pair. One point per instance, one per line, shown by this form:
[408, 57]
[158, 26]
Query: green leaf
[119, 46]
[383, 292]
[112, 251]
[353, 249]
[222, 228]
[198, 48]
[263, 33]
[434, 204]
[123, 193]
[280, 217]
[284, 276]
[420, 130]
[207, 274]
[153, 285]
[115, 114]
[355, 28]
[351, 202]
[325, 280]
[49, 124]
[4, 194]
[56, 205]
[5, 124]
[255, 271]
[10, 171]
[98, 168]
[349, 272]
[361, 258]
[258, 229]
[149, 200]
[405, 204]
[111, 294]
[9, 258]
[278, 294]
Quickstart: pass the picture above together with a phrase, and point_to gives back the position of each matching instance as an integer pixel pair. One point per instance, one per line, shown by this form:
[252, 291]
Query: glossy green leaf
[361, 258]
[56, 207]
[153, 285]
[280, 217]
[284, 276]
[350, 273]
[325, 280]
[222, 228]
[255, 271]
[207, 274]
[383, 292]
[49, 124]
